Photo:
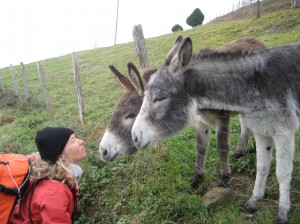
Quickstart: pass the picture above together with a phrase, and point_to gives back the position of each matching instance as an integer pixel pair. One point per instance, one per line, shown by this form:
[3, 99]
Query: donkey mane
[204, 54]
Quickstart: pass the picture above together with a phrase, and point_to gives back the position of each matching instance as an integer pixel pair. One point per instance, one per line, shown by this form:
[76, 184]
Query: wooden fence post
[258, 9]
[1, 85]
[78, 87]
[295, 3]
[14, 79]
[140, 46]
[44, 87]
[25, 85]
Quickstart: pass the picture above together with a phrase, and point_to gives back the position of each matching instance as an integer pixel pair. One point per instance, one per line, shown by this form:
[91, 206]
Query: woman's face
[74, 149]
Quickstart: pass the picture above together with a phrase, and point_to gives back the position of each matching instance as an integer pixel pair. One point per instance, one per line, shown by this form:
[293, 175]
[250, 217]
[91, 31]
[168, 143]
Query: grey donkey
[262, 86]
[117, 139]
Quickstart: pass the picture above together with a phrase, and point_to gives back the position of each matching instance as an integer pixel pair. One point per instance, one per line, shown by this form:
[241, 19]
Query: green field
[153, 185]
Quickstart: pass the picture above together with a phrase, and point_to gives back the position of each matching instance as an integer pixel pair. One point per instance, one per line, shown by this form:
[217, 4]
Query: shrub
[195, 19]
[177, 28]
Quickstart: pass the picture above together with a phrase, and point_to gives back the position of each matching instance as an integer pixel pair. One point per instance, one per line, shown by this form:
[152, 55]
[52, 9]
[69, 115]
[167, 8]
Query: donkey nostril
[136, 139]
[104, 152]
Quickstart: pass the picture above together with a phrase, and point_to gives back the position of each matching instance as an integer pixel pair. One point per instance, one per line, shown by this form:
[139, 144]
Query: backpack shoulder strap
[32, 187]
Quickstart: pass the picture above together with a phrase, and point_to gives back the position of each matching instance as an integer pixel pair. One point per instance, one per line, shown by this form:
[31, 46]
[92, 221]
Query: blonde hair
[61, 170]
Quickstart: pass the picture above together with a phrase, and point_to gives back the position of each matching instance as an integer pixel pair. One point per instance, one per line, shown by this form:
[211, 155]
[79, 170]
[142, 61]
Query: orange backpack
[14, 180]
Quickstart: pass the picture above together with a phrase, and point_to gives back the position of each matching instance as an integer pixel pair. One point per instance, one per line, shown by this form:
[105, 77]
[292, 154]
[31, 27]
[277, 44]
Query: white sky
[33, 30]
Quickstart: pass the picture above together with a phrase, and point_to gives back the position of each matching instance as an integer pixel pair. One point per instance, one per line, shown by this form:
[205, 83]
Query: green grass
[153, 185]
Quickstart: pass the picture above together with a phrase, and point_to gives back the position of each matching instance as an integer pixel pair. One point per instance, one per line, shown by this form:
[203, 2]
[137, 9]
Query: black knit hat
[51, 142]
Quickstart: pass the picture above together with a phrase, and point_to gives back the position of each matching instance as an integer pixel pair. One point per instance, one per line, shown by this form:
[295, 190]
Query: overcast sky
[33, 30]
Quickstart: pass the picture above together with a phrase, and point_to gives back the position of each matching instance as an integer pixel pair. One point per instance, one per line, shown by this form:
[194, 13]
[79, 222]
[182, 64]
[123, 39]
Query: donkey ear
[185, 52]
[182, 58]
[122, 79]
[174, 49]
[135, 78]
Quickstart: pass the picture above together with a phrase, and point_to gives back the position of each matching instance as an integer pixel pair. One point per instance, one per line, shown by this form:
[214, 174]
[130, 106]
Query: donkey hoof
[196, 180]
[281, 218]
[249, 209]
[238, 155]
[224, 181]
[280, 221]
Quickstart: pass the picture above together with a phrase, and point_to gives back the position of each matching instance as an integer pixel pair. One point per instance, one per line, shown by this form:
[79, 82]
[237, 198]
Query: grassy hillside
[153, 185]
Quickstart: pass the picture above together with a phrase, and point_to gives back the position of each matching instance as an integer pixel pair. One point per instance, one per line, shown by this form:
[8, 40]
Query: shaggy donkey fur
[262, 86]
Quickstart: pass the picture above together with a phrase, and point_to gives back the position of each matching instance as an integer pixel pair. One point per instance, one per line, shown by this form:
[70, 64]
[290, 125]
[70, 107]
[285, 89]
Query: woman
[53, 191]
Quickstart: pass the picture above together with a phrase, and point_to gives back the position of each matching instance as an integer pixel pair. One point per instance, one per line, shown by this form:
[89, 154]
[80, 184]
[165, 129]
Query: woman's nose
[81, 142]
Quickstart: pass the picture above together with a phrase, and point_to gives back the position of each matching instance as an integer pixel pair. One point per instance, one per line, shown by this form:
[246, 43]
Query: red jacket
[52, 202]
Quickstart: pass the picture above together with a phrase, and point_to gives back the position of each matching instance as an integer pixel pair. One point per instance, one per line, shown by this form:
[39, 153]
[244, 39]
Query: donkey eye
[159, 98]
[130, 116]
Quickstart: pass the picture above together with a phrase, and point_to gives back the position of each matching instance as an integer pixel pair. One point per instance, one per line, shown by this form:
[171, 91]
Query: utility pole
[116, 30]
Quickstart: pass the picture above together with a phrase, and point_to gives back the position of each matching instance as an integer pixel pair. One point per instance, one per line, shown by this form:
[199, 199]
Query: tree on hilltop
[177, 28]
[195, 19]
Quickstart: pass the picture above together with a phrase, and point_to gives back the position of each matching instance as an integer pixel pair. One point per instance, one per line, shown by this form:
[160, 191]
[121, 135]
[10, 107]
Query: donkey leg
[264, 158]
[222, 138]
[202, 143]
[241, 148]
[285, 148]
